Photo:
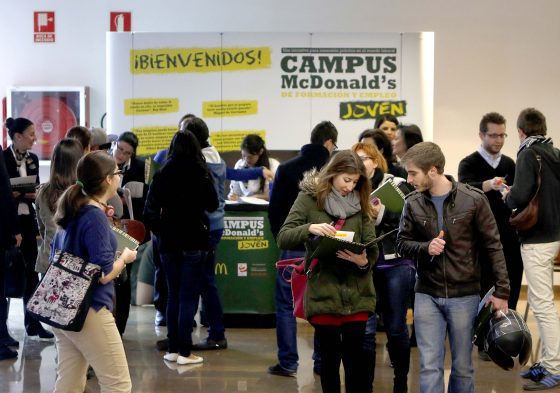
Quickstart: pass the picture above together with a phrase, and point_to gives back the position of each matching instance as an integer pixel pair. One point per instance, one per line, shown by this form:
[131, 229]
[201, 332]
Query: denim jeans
[209, 292]
[394, 287]
[286, 328]
[436, 318]
[184, 271]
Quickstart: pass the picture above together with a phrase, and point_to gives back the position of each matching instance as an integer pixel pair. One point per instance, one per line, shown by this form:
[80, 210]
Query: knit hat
[17, 126]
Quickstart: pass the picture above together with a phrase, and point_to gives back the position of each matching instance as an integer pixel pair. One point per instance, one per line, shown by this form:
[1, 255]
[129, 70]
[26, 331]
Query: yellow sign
[252, 244]
[229, 108]
[181, 60]
[220, 268]
[231, 140]
[153, 139]
[150, 106]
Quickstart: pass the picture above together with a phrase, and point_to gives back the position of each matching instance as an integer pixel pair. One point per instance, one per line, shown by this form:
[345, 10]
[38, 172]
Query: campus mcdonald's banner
[275, 84]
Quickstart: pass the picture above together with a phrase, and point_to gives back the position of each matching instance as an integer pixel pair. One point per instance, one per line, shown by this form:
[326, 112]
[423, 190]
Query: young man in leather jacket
[443, 226]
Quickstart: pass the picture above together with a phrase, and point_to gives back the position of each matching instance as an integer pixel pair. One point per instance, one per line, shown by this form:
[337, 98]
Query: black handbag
[14, 274]
[63, 296]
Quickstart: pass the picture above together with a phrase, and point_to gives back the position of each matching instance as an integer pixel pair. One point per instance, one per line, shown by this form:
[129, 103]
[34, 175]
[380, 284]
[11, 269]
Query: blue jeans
[184, 271]
[435, 318]
[394, 287]
[286, 328]
[209, 292]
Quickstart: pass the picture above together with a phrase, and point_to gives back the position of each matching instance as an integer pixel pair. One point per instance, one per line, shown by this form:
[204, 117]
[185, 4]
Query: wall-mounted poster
[53, 110]
[276, 84]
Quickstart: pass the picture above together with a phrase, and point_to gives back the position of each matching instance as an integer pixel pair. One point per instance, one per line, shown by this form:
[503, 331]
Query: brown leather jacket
[469, 225]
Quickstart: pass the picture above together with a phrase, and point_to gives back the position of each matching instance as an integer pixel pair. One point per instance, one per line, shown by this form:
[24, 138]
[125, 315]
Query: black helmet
[508, 337]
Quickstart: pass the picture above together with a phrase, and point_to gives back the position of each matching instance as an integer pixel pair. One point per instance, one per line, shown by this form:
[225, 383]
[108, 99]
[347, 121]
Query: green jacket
[335, 286]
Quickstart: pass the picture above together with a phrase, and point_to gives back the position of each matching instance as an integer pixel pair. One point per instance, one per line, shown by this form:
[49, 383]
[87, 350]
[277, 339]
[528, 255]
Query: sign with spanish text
[43, 26]
[120, 21]
[279, 85]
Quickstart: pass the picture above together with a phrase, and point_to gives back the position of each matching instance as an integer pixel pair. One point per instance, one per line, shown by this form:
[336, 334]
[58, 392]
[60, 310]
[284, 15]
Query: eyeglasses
[118, 173]
[496, 136]
[335, 146]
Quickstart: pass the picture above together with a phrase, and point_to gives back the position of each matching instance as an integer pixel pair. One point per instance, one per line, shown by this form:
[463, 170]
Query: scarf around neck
[342, 207]
[530, 140]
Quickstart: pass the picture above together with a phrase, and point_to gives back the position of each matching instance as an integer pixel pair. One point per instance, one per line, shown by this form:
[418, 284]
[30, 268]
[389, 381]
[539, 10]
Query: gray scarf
[339, 206]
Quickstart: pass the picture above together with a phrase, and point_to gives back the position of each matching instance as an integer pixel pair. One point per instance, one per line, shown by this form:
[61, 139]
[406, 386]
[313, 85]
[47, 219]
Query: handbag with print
[64, 294]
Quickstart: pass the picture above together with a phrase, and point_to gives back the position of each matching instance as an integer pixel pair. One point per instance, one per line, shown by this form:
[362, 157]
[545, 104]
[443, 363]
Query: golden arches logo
[220, 268]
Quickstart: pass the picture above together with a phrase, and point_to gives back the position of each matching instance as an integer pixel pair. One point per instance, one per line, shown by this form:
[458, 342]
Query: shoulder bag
[63, 296]
[526, 218]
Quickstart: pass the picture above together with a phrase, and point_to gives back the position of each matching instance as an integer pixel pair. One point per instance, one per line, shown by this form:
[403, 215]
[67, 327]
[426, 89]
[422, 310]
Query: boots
[400, 356]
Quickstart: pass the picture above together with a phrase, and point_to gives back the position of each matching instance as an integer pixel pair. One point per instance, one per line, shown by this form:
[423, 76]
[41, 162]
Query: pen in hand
[317, 236]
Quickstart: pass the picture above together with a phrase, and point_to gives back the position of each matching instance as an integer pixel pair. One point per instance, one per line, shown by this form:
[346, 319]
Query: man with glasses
[491, 171]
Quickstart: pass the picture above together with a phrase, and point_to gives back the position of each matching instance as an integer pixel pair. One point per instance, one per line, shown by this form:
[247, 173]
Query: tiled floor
[241, 368]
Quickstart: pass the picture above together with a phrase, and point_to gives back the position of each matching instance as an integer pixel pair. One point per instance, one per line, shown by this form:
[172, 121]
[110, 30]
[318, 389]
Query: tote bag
[63, 296]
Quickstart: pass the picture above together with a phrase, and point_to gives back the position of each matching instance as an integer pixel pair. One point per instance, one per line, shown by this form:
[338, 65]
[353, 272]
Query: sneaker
[209, 344]
[547, 381]
[191, 359]
[171, 357]
[535, 373]
[281, 371]
[162, 345]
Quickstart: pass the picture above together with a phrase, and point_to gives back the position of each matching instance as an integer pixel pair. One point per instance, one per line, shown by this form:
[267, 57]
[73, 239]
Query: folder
[329, 245]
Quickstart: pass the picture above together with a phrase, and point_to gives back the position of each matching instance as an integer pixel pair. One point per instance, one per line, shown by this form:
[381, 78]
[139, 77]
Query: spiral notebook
[329, 245]
[124, 240]
[390, 195]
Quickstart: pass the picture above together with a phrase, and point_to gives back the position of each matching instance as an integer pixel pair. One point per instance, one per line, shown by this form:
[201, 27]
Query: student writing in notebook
[339, 296]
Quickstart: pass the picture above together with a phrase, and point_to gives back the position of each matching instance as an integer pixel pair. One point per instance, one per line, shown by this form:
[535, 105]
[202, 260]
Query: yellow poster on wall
[231, 140]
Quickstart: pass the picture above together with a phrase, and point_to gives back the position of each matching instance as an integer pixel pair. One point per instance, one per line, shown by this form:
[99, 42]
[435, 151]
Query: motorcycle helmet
[508, 337]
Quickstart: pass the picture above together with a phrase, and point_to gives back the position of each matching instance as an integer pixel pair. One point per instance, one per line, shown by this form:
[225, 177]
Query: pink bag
[298, 280]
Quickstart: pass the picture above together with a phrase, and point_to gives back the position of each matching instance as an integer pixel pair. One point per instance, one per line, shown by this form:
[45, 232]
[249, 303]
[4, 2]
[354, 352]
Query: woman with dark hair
[82, 135]
[20, 162]
[406, 137]
[388, 124]
[173, 203]
[380, 139]
[394, 276]
[64, 160]
[339, 296]
[82, 215]
[253, 154]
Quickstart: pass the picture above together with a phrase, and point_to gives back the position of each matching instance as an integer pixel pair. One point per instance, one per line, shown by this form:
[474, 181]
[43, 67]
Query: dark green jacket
[335, 286]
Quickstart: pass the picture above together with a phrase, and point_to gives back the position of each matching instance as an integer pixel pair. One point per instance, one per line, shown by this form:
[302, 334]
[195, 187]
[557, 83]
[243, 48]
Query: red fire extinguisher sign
[120, 21]
[43, 26]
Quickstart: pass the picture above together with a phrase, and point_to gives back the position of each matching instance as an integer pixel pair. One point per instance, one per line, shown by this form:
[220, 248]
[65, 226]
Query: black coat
[32, 164]
[9, 224]
[180, 194]
[286, 182]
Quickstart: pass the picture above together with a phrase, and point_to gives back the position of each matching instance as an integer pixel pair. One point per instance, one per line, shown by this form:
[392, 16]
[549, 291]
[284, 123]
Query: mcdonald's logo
[220, 268]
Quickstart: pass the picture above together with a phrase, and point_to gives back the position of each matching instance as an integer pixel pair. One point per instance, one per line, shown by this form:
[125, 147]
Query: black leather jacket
[469, 225]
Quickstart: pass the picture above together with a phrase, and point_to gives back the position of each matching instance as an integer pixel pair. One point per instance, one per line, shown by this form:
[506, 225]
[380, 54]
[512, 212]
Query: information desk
[245, 266]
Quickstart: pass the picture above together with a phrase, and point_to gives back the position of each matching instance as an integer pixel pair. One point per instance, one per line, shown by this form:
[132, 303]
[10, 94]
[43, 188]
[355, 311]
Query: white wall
[489, 55]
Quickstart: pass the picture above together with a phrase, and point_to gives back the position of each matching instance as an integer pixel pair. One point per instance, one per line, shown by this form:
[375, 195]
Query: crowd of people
[449, 246]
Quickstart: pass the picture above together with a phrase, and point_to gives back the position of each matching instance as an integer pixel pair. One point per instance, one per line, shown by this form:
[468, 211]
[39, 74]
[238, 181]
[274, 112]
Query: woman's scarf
[342, 206]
